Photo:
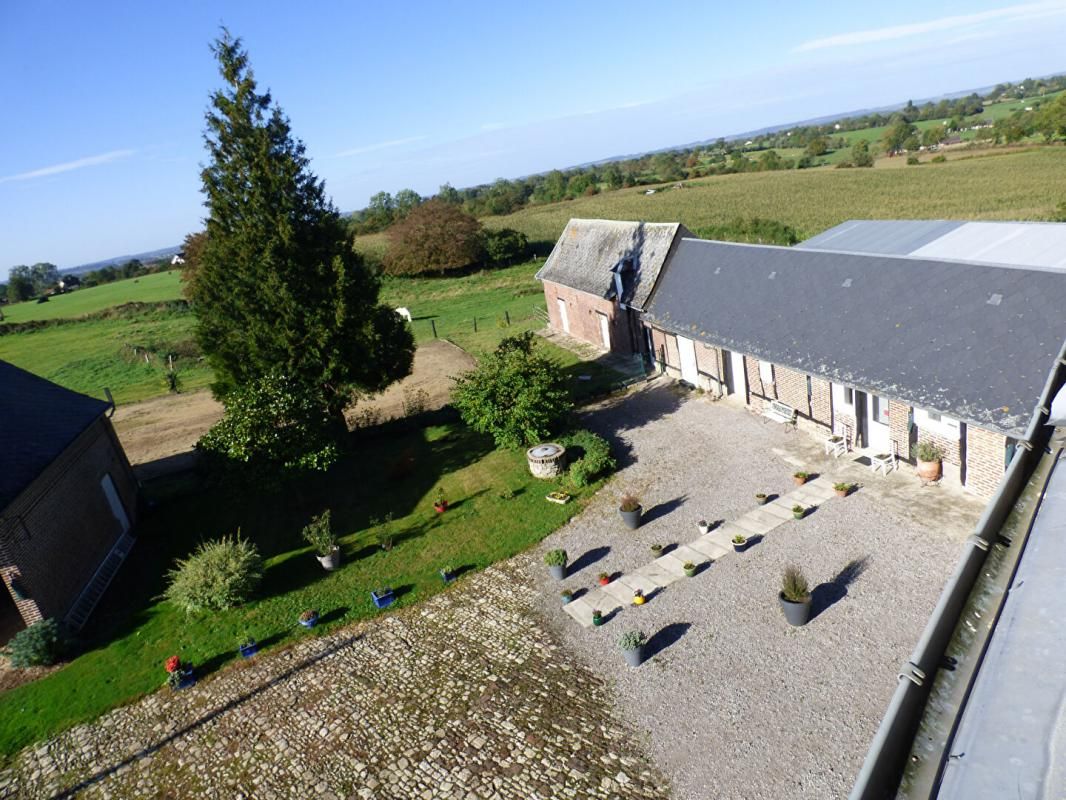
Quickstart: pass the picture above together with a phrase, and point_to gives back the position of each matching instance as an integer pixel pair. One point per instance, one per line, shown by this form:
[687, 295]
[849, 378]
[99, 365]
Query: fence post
[475, 324]
[433, 324]
[507, 316]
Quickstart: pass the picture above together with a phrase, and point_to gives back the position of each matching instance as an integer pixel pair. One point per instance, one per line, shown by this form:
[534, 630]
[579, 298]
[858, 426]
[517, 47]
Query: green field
[146, 289]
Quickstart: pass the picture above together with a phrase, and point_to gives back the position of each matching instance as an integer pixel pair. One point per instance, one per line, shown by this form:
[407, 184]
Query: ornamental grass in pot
[795, 596]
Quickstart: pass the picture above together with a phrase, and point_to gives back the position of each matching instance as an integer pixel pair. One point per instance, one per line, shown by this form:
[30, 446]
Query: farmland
[146, 289]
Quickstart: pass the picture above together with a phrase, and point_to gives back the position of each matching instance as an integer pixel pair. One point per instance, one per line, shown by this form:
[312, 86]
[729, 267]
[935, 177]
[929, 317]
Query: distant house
[68, 282]
[599, 275]
[68, 500]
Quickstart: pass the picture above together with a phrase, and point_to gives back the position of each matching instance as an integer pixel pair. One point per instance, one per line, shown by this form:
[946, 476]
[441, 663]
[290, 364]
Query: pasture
[146, 289]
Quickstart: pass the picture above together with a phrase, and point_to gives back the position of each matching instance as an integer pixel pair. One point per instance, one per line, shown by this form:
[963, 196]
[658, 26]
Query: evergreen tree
[279, 288]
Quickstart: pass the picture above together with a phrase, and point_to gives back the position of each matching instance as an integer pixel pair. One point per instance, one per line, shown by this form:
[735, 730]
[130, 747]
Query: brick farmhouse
[883, 347]
[67, 496]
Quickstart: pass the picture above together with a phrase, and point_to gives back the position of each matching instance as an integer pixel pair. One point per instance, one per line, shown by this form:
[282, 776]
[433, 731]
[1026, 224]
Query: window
[766, 372]
[880, 409]
[849, 396]
[932, 416]
[809, 392]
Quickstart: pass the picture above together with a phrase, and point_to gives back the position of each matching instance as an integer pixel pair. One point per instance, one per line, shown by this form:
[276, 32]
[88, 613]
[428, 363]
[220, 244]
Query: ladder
[85, 604]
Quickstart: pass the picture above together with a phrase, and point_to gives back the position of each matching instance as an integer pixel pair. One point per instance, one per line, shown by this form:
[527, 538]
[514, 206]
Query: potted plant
[440, 505]
[447, 574]
[604, 579]
[798, 511]
[179, 674]
[800, 477]
[632, 644]
[843, 489]
[630, 509]
[556, 561]
[761, 499]
[309, 618]
[740, 543]
[566, 596]
[638, 597]
[319, 534]
[704, 528]
[247, 647]
[656, 550]
[690, 569]
[597, 617]
[929, 457]
[383, 597]
[795, 597]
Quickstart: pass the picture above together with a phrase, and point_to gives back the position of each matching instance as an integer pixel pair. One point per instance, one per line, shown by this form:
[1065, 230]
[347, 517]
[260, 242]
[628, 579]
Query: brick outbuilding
[68, 500]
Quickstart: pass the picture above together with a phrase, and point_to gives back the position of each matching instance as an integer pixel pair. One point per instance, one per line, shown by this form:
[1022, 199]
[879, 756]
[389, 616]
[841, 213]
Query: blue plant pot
[447, 577]
[309, 623]
[383, 600]
[187, 680]
[249, 650]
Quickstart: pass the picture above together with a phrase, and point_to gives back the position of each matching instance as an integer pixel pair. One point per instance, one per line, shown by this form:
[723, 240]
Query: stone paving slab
[580, 610]
[621, 593]
[676, 565]
[708, 548]
[779, 510]
[656, 571]
[765, 517]
[758, 525]
[685, 553]
[636, 581]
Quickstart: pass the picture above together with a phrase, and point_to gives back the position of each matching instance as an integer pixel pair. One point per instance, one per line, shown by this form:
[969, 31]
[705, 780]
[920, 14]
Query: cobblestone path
[466, 696]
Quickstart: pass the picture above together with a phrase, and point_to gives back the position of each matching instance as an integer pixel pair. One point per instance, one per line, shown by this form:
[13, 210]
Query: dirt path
[158, 435]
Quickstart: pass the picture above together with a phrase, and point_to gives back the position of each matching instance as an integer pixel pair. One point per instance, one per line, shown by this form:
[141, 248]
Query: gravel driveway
[736, 703]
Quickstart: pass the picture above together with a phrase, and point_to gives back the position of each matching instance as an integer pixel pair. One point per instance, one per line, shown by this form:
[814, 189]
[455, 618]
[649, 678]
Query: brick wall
[790, 387]
[985, 460]
[951, 448]
[756, 390]
[899, 428]
[709, 362]
[54, 535]
[583, 312]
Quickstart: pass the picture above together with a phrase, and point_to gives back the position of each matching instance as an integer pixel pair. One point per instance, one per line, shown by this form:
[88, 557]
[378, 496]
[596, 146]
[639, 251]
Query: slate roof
[1031, 245]
[973, 341]
[588, 251]
[38, 421]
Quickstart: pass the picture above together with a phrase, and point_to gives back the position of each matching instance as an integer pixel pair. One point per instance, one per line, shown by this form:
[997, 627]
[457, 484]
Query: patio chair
[836, 446]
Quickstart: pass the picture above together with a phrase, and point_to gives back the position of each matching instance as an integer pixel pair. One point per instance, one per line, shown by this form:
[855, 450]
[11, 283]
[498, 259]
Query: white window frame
[946, 426]
[766, 372]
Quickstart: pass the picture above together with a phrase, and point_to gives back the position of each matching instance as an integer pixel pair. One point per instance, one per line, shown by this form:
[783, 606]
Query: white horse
[403, 312]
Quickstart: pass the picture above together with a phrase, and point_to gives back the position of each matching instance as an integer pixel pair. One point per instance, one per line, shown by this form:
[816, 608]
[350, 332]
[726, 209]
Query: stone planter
[546, 460]
[332, 561]
[557, 571]
[631, 518]
[634, 656]
[796, 613]
[929, 470]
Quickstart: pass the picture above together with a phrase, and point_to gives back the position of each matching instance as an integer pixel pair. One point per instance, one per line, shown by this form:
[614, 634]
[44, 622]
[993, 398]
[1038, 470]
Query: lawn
[146, 289]
[497, 509]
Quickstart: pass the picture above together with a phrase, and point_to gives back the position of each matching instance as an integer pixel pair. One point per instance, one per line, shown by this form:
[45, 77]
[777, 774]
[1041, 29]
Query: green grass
[146, 289]
[498, 509]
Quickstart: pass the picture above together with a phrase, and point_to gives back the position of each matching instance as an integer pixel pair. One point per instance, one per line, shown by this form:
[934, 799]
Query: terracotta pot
[929, 470]
[798, 480]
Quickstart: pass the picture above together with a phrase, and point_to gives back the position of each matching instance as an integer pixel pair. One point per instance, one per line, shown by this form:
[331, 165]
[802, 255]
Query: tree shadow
[617, 416]
[588, 558]
[665, 637]
[833, 591]
[660, 510]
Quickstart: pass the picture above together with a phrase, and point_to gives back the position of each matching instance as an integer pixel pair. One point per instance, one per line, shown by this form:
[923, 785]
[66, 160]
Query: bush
[319, 534]
[505, 246]
[36, 646]
[913, 161]
[219, 575]
[435, 237]
[515, 394]
[794, 585]
[927, 451]
[595, 458]
[555, 558]
[753, 231]
[938, 159]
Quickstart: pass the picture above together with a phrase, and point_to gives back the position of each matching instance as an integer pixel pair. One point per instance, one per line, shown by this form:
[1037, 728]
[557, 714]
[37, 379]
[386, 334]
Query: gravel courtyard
[737, 703]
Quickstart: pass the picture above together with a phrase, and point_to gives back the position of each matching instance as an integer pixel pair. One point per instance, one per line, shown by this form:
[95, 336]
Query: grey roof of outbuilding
[38, 421]
[972, 341]
[589, 249]
[1030, 245]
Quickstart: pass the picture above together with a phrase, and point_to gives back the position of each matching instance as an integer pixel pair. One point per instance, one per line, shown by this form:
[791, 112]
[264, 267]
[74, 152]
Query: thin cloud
[1009, 13]
[70, 166]
[370, 148]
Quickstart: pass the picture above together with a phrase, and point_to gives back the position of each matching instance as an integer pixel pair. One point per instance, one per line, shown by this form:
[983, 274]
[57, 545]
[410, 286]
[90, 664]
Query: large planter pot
[384, 599]
[249, 650]
[796, 613]
[631, 518]
[798, 480]
[634, 656]
[557, 571]
[929, 470]
[332, 561]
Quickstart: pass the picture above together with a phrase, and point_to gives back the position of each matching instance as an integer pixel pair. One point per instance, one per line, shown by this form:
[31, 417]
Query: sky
[104, 102]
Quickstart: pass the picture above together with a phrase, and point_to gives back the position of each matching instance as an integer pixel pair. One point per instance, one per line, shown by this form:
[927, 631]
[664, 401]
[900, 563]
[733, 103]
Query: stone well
[547, 460]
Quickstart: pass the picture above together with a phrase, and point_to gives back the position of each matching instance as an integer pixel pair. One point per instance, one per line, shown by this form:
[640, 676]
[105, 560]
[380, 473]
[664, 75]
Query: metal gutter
[886, 760]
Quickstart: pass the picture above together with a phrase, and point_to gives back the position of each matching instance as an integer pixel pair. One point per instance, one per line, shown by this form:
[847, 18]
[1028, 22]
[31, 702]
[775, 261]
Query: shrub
[555, 558]
[319, 534]
[435, 237]
[913, 161]
[35, 646]
[219, 575]
[753, 230]
[505, 246]
[595, 457]
[927, 451]
[739, 539]
[515, 394]
[938, 159]
[842, 487]
[631, 640]
[794, 586]
[804, 475]
[629, 502]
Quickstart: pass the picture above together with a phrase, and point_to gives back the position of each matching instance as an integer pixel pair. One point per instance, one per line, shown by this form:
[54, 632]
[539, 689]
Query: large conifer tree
[280, 289]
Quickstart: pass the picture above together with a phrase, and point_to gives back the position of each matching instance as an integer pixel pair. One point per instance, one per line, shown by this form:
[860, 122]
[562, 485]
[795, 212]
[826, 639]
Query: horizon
[115, 152]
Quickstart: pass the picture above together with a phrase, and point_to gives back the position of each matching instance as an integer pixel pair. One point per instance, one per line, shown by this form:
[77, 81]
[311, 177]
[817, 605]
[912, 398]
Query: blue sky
[104, 101]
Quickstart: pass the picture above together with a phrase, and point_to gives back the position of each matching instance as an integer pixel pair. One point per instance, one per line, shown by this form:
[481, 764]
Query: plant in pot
[604, 579]
[798, 511]
[632, 644]
[597, 617]
[795, 597]
[703, 527]
[740, 543]
[383, 597]
[179, 674]
[800, 477]
[929, 457]
[566, 596]
[308, 618]
[440, 505]
[656, 550]
[638, 597]
[319, 534]
[447, 574]
[690, 568]
[556, 561]
[630, 509]
[843, 489]
[761, 499]
[247, 647]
